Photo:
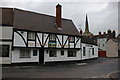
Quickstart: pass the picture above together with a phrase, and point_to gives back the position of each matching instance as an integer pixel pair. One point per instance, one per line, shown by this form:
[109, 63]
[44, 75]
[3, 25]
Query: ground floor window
[92, 51]
[71, 53]
[52, 53]
[4, 50]
[25, 53]
[62, 53]
[83, 51]
[34, 52]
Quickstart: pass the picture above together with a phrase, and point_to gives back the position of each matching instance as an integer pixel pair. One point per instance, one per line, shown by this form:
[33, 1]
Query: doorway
[41, 56]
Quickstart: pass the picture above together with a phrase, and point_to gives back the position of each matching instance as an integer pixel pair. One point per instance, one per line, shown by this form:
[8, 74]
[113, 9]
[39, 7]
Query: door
[41, 56]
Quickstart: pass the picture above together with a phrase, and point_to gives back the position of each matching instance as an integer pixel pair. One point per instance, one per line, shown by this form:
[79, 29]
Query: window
[83, 51]
[103, 45]
[25, 53]
[34, 52]
[4, 50]
[62, 53]
[71, 53]
[31, 35]
[52, 37]
[99, 44]
[71, 39]
[92, 51]
[52, 53]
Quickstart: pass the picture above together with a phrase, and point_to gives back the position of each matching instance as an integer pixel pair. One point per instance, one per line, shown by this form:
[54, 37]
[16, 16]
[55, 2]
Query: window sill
[24, 57]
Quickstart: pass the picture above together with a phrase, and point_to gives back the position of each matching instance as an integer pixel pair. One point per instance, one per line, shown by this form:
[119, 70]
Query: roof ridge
[40, 13]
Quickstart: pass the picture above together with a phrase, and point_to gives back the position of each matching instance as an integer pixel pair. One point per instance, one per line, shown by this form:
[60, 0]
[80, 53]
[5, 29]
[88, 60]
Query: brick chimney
[58, 16]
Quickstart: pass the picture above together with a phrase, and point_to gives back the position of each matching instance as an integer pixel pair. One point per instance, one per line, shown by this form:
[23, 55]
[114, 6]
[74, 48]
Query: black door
[41, 56]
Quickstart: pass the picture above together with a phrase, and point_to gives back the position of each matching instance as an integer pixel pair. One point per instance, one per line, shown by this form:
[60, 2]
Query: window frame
[23, 53]
[71, 39]
[74, 54]
[93, 51]
[8, 48]
[31, 35]
[52, 38]
[84, 51]
[53, 54]
[35, 54]
[62, 52]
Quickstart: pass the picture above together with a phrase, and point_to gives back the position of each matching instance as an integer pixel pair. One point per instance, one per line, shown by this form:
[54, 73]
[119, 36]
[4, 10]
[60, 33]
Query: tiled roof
[88, 40]
[21, 19]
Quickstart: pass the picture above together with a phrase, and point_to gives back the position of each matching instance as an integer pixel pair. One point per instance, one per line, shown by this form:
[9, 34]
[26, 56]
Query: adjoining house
[89, 48]
[112, 47]
[101, 40]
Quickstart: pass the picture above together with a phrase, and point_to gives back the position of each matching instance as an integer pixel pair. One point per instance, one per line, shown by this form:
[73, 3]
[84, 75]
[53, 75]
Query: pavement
[96, 68]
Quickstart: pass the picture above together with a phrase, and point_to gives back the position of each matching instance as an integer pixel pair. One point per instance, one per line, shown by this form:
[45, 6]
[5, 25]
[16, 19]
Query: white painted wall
[16, 55]
[78, 45]
[88, 50]
[6, 32]
[101, 42]
[18, 41]
[61, 57]
[45, 37]
[60, 39]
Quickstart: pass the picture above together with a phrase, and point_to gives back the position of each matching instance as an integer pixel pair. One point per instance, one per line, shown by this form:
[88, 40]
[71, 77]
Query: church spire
[87, 33]
[86, 25]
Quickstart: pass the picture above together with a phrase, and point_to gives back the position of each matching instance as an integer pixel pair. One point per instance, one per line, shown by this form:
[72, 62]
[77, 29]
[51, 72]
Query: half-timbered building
[34, 37]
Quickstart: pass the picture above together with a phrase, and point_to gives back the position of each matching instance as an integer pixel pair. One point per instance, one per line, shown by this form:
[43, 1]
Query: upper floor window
[52, 37]
[31, 35]
[71, 39]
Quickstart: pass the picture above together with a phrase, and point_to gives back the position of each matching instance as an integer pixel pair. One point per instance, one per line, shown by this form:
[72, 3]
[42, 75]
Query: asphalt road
[98, 68]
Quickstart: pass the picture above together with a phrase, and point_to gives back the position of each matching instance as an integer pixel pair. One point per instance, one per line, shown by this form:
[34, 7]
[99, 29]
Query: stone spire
[86, 25]
[87, 33]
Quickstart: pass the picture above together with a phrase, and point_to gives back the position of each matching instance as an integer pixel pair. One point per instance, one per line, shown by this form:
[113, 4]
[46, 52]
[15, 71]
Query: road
[98, 68]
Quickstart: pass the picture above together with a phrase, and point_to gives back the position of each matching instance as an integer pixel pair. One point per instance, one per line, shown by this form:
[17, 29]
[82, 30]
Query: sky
[102, 14]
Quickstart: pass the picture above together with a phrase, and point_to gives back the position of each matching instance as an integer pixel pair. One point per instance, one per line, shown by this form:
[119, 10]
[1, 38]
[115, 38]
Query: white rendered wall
[61, 57]
[6, 34]
[16, 55]
[101, 42]
[18, 41]
[88, 51]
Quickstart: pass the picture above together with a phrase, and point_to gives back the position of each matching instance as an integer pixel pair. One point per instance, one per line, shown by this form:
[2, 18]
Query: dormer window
[52, 37]
[31, 35]
[71, 39]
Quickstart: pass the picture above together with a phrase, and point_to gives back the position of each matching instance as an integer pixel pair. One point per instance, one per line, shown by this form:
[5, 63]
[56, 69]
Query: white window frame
[52, 37]
[72, 52]
[31, 35]
[71, 39]
[52, 53]
[25, 53]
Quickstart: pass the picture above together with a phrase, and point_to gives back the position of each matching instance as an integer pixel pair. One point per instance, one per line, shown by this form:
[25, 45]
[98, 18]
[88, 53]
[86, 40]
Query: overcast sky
[101, 15]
